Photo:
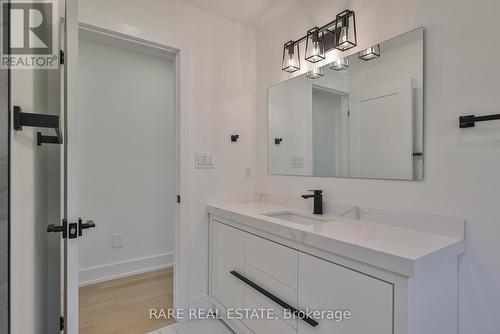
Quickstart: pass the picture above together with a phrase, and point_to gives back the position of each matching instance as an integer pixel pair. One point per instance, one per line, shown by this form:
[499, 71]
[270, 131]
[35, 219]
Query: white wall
[461, 166]
[128, 172]
[291, 120]
[218, 97]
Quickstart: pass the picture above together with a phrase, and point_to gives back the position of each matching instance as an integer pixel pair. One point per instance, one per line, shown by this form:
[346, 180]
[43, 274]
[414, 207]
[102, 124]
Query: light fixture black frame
[314, 35]
[327, 32]
[316, 73]
[343, 18]
[343, 66]
[290, 48]
[366, 57]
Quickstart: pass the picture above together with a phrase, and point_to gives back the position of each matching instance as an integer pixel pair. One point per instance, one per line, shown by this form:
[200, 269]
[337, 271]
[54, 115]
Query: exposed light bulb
[316, 50]
[343, 36]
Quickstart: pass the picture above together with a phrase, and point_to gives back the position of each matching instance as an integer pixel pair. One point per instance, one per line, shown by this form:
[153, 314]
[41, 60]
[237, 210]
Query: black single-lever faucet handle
[318, 201]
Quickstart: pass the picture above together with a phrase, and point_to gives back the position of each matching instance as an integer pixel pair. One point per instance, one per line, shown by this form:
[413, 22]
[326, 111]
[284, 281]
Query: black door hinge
[61, 323]
[61, 57]
[178, 198]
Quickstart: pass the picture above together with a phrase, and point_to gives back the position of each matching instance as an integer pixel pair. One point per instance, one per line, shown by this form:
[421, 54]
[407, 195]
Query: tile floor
[195, 327]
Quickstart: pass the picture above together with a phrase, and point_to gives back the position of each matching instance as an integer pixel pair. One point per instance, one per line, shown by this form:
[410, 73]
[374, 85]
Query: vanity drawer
[265, 326]
[273, 259]
[275, 287]
[327, 286]
[227, 254]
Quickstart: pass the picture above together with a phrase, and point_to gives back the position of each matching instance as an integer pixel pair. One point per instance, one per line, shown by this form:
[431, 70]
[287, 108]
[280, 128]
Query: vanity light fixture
[316, 73]
[315, 47]
[371, 53]
[340, 64]
[345, 31]
[291, 60]
[340, 34]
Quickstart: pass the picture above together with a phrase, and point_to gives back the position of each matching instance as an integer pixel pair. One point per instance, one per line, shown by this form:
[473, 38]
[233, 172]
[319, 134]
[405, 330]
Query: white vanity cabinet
[301, 280]
[389, 280]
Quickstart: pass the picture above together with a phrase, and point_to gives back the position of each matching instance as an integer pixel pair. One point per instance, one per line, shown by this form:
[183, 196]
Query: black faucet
[318, 201]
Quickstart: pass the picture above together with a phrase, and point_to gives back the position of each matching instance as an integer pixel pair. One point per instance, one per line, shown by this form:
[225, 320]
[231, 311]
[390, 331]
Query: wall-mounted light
[315, 47]
[371, 53]
[345, 31]
[339, 34]
[340, 64]
[291, 60]
[316, 73]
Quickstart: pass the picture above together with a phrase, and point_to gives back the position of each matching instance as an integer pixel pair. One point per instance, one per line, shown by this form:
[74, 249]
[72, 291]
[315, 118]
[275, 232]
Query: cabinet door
[325, 286]
[228, 253]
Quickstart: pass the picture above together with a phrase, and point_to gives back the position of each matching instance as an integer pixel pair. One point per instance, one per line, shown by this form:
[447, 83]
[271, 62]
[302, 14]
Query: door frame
[5, 192]
[181, 144]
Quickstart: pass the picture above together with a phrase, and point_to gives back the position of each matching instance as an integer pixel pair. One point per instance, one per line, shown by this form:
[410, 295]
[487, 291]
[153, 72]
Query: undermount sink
[295, 217]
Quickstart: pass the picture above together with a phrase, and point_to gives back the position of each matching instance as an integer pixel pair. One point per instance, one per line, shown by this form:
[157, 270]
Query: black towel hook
[38, 121]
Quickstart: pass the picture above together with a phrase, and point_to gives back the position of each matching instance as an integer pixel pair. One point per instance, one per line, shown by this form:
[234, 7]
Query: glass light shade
[315, 46]
[371, 53]
[340, 64]
[291, 60]
[345, 31]
[316, 73]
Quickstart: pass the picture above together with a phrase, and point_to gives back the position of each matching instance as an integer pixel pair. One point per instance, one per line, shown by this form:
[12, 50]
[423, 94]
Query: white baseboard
[102, 273]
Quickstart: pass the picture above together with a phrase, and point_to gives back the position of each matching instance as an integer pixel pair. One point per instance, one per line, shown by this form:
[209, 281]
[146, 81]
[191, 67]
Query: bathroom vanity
[392, 273]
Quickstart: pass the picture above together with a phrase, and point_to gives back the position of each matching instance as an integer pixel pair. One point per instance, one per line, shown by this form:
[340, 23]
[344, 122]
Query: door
[329, 122]
[381, 132]
[71, 164]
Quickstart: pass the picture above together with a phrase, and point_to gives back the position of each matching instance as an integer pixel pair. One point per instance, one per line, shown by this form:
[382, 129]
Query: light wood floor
[122, 305]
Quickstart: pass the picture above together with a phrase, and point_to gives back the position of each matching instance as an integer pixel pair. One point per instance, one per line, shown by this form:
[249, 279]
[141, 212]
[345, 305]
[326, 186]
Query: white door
[71, 155]
[381, 132]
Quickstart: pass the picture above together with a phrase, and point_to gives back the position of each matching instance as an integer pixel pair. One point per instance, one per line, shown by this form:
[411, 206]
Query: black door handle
[83, 226]
[59, 228]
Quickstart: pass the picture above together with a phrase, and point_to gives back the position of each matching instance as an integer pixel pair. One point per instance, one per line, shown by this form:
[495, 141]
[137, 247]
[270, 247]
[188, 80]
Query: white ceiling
[249, 12]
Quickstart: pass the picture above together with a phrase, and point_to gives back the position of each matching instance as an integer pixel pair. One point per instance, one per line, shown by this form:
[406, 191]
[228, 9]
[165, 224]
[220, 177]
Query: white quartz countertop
[394, 248]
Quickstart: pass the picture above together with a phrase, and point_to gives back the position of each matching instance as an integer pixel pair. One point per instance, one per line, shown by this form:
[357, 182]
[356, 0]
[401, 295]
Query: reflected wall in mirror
[361, 119]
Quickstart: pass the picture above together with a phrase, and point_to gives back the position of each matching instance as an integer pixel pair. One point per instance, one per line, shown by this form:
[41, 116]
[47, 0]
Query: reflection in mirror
[361, 118]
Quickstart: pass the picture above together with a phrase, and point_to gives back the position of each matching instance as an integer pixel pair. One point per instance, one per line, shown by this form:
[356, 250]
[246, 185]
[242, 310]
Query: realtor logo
[31, 41]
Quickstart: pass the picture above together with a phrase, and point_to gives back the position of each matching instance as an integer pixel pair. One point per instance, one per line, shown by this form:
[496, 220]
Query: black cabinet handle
[275, 299]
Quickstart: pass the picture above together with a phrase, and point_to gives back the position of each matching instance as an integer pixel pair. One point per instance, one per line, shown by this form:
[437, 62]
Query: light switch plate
[204, 161]
[117, 240]
[248, 172]
[297, 161]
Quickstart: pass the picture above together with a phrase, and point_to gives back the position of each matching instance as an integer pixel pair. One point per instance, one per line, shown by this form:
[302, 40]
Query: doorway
[128, 177]
[330, 132]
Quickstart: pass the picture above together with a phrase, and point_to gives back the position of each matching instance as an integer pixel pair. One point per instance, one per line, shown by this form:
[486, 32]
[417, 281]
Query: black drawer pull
[275, 299]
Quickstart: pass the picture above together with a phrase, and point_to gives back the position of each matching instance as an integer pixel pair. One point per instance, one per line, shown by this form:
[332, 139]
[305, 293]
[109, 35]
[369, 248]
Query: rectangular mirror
[364, 120]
